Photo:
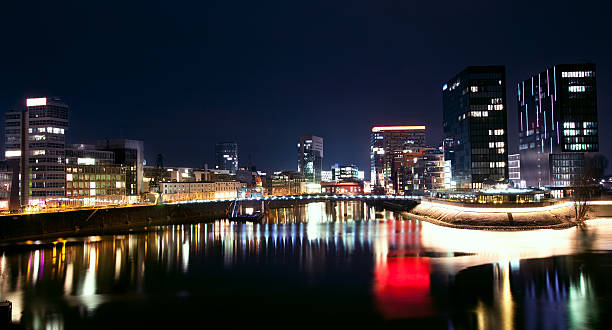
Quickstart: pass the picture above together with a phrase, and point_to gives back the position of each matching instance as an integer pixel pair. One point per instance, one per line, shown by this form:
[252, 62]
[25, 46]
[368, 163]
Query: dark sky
[181, 76]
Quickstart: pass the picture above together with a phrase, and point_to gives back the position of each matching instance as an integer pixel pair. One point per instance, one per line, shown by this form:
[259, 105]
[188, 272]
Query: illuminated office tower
[35, 136]
[475, 127]
[388, 144]
[310, 158]
[226, 156]
[558, 125]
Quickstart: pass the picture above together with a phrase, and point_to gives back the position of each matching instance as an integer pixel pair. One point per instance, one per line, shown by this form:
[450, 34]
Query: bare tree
[584, 188]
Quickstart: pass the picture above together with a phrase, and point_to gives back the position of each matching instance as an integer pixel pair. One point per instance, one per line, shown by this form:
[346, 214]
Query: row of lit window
[573, 132]
[54, 130]
[496, 132]
[97, 177]
[586, 124]
[479, 114]
[576, 89]
[93, 192]
[94, 184]
[488, 164]
[578, 74]
[582, 146]
[496, 144]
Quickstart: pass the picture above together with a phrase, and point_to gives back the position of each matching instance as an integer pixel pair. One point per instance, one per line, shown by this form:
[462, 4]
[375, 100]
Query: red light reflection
[401, 287]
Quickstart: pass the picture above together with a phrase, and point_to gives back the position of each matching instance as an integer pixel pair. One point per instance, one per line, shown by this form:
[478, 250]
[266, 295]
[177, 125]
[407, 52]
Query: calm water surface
[318, 264]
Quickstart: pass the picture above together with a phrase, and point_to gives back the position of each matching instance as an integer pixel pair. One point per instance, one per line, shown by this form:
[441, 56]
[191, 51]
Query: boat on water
[245, 214]
[255, 217]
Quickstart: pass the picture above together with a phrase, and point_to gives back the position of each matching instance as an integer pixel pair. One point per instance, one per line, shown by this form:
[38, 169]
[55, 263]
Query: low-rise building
[286, 183]
[98, 184]
[180, 191]
[343, 187]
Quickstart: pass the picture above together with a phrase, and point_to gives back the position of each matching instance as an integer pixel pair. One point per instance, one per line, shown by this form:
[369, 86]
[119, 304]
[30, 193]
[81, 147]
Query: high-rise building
[129, 153]
[36, 136]
[310, 158]
[387, 147]
[558, 124]
[475, 127]
[226, 156]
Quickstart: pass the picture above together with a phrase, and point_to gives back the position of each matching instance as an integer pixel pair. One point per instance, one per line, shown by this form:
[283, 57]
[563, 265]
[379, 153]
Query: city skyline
[291, 91]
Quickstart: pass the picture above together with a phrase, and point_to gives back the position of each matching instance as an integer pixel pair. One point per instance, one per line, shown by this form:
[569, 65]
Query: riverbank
[556, 216]
[105, 221]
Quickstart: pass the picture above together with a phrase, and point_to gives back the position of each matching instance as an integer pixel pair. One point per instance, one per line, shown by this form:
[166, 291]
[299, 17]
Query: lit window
[577, 89]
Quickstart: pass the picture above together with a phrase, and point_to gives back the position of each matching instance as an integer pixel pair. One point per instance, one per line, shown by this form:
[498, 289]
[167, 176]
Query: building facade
[514, 170]
[95, 184]
[475, 126]
[345, 172]
[343, 187]
[388, 144]
[129, 153]
[180, 191]
[558, 124]
[286, 183]
[310, 158]
[430, 169]
[35, 136]
[226, 156]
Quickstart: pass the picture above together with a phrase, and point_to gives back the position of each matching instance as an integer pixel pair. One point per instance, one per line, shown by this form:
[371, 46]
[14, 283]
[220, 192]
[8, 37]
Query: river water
[319, 264]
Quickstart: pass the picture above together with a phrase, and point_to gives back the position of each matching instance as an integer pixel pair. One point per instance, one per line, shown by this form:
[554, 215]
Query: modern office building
[93, 178]
[310, 158]
[423, 171]
[345, 172]
[87, 154]
[558, 124]
[475, 127]
[35, 135]
[388, 144]
[286, 183]
[226, 156]
[129, 153]
[429, 170]
[95, 184]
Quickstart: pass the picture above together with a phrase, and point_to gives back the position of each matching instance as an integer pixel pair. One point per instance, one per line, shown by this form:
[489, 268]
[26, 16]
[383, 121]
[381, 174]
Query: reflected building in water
[402, 269]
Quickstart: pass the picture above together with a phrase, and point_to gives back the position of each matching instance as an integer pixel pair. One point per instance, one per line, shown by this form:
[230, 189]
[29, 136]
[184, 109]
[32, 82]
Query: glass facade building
[226, 156]
[557, 111]
[388, 144]
[310, 158]
[475, 127]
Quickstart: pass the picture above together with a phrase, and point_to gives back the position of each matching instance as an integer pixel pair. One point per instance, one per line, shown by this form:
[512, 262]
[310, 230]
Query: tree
[584, 189]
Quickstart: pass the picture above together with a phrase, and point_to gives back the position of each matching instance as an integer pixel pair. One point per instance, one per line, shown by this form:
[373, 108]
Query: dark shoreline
[47, 226]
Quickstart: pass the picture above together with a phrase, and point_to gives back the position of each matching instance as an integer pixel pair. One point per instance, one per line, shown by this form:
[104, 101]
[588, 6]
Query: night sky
[182, 76]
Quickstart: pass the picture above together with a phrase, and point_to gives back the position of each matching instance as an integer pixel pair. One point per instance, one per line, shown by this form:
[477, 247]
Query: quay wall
[106, 221]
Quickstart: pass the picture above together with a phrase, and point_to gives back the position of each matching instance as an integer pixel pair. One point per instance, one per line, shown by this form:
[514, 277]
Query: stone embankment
[462, 216]
[105, 221]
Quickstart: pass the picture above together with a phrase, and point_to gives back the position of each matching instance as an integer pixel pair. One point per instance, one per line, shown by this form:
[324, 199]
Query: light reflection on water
[413, 266]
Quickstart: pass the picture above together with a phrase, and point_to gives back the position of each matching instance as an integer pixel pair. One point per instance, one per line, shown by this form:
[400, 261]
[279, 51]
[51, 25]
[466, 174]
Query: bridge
[310, 198]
